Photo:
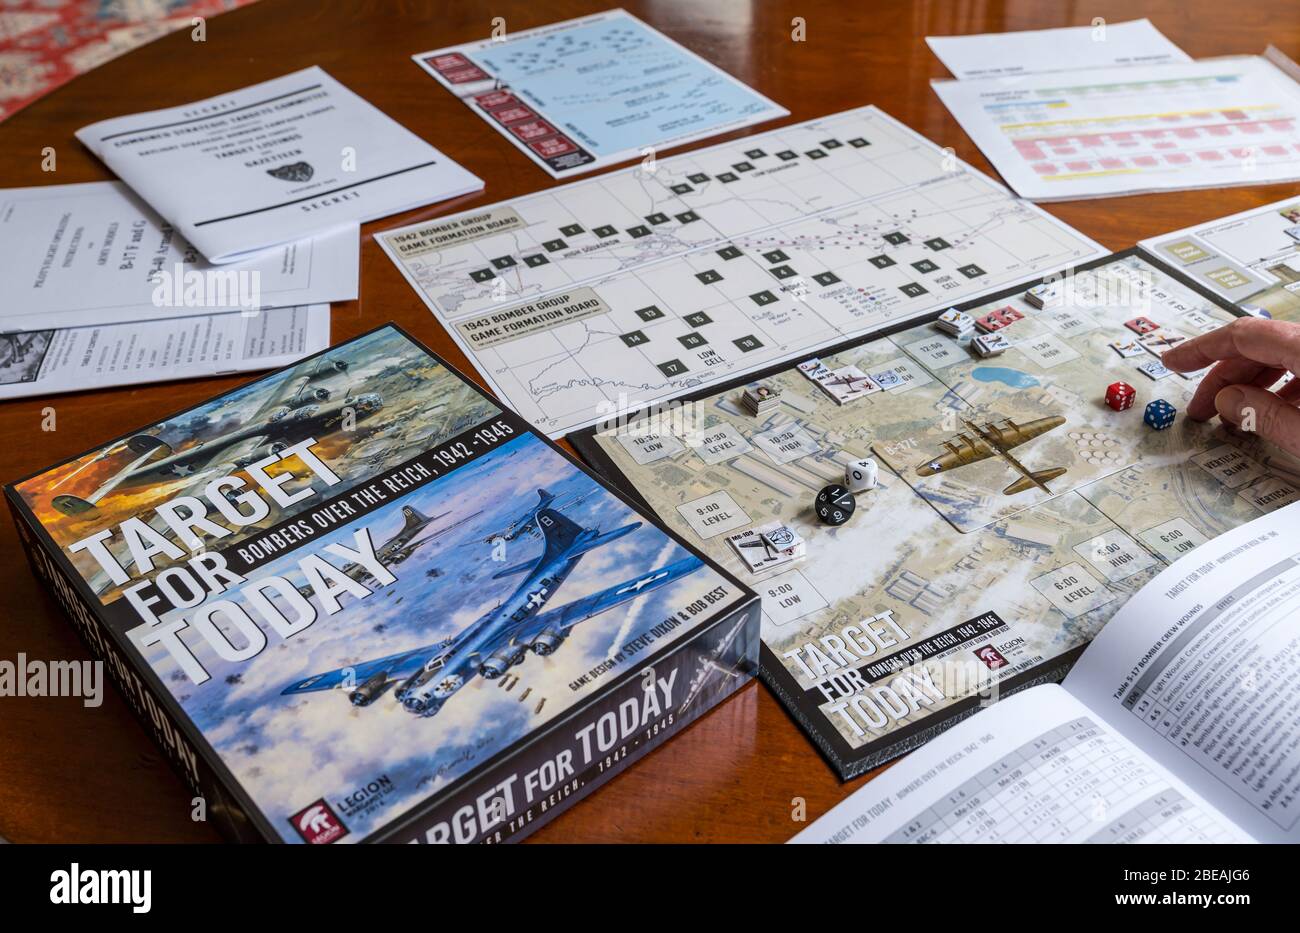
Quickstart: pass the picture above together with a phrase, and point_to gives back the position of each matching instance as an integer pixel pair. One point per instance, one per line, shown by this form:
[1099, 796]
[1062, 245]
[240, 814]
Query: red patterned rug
[44, 43]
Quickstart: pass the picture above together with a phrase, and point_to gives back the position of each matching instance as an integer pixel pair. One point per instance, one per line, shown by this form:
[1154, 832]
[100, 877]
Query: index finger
[1270, 343]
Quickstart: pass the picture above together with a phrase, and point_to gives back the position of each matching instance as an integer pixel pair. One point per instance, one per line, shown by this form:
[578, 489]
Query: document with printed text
[78, 359]
[1032, 51]
[95, 254]
[273, 163]
[1176, 725]
[1098, 132]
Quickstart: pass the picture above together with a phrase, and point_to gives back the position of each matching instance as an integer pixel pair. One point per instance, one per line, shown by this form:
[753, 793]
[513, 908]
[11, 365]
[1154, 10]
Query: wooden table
[71, 774]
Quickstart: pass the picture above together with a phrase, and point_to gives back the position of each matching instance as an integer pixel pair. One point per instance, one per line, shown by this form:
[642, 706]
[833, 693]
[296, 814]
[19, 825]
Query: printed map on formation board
[992, 572]
[635, 286]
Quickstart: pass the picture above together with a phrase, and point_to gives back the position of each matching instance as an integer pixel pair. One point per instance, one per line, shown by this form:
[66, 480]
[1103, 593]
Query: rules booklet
[1178, 724]
[274, 162]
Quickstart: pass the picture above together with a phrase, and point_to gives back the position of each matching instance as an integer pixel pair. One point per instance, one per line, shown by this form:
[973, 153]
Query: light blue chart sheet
[591, 92]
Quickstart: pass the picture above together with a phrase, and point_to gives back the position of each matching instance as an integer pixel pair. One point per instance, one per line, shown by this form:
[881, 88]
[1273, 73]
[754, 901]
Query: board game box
[1030, 469]
[356, 600]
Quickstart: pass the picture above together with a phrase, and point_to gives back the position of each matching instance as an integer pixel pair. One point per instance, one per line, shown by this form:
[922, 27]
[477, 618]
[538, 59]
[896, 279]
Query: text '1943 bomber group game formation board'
[1027, 481]
[642, 284]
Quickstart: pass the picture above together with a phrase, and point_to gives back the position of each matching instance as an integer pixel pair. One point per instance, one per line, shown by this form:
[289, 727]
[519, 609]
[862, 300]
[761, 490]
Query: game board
[1251, 259]
[638, 285]
[946, 589]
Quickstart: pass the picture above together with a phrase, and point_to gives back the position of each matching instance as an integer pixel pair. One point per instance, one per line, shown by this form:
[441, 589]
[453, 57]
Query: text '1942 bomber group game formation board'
[1014, 512]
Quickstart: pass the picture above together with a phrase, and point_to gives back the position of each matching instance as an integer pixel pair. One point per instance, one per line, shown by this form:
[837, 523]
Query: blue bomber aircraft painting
[428, 676]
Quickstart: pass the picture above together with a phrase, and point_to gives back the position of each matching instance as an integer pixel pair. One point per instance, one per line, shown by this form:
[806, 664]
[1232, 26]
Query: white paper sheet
[47, 362]
[1039, 767]
[1111, 131]
[1033, 51]
[590, 92]
[95, 254]
[273, 163]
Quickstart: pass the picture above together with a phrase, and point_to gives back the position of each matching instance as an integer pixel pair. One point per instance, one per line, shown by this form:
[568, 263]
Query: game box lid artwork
[356, 600]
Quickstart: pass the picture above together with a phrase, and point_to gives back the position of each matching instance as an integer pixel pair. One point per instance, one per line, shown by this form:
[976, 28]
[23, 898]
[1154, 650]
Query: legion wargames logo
[991, 657]
[294, 171]
[318, 824]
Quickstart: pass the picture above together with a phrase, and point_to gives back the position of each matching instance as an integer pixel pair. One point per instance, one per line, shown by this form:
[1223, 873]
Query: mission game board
[355, 600]
[965, 574]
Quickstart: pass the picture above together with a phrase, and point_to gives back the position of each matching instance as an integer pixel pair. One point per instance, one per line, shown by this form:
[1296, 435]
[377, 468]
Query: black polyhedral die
[834, 505]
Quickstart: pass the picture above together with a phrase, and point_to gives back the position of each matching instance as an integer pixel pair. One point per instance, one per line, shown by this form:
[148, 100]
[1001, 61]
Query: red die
[1120, 395]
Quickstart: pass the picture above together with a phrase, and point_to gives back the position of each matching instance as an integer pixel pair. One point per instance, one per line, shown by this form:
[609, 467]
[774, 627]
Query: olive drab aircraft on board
[997, 440]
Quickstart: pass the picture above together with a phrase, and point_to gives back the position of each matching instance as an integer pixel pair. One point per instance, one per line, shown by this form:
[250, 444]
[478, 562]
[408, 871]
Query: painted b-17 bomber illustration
[301, 407]
[401, 545]
[525, 523]
[426, 677]
[997, 440]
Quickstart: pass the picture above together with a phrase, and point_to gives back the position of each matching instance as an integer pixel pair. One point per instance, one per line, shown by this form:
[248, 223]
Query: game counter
[1015, 509]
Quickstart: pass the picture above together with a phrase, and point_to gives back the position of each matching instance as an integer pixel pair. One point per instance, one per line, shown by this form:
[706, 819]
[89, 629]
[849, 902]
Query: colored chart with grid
[1095, 132]
[1075, 783]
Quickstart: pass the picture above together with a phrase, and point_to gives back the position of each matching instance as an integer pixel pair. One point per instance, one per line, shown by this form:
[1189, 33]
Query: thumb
[1261, 412]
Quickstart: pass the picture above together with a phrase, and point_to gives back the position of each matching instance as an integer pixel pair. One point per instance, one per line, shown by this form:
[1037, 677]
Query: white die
[860, 475]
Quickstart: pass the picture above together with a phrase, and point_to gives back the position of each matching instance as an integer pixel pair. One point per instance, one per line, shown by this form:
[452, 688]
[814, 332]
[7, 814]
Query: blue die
[1159, 414]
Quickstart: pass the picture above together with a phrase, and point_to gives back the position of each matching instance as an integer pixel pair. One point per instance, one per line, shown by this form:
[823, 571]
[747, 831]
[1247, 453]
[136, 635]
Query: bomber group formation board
[633, 287]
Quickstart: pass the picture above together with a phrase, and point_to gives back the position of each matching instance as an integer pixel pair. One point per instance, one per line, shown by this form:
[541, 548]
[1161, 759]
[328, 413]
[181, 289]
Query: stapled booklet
[274, 162]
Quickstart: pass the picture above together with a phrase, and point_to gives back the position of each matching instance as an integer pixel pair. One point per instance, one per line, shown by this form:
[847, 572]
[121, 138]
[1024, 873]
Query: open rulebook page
[1037, 767]
[1178, 724]
[1201, 668]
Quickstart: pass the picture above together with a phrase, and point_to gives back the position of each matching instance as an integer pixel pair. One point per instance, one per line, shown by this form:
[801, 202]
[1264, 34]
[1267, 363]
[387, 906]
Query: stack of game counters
[761, 398]
[956, 323]
[986, 345]
[1040, 296]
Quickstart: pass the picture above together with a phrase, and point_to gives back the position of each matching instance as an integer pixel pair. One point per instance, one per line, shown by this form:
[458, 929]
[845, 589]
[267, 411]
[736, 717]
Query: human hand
[1249, 356]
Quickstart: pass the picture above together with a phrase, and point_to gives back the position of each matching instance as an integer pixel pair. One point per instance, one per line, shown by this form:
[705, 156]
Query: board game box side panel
[225, 804]
[848, 762]
[521, 793]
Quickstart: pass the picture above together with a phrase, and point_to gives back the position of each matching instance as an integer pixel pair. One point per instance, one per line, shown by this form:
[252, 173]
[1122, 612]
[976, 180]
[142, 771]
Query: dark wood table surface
[72, 774]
